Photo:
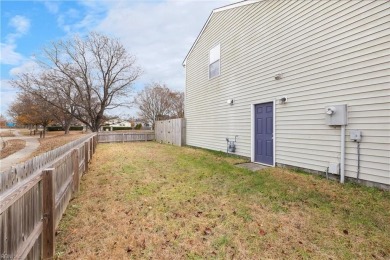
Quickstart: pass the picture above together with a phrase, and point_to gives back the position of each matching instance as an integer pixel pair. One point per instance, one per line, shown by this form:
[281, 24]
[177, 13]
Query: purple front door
[264, 130]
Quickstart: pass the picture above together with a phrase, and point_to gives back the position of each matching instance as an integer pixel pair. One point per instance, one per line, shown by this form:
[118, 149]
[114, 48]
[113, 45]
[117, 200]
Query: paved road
[32, 143]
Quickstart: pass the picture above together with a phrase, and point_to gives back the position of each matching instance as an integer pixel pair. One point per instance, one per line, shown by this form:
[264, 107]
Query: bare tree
[63, 118]
[177, 104]
[62, 97]
[83, 77]
[157, 102]
[58, 94]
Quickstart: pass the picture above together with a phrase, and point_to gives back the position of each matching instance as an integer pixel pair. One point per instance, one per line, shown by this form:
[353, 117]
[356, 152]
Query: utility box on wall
[334, 168]
[336, 115]
[356, 135]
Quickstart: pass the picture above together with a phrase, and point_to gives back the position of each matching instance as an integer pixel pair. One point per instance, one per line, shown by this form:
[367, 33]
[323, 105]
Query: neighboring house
[136, 121]
[117, 123]
[122, 124]
[272, 71]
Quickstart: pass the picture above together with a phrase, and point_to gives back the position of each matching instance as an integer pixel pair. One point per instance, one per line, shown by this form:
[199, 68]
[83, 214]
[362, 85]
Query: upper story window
[215, 62]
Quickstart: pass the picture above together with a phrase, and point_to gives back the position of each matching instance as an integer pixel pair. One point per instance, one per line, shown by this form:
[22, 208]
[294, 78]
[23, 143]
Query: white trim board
[234, 5]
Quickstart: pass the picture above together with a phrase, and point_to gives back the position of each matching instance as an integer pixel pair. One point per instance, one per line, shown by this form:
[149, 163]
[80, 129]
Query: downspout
[342, 158]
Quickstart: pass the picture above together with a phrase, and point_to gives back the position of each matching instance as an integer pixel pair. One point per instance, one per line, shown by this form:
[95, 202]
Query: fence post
[94, 143]
[76, 175]
[86, 157]
[91, 146]
[48, 210]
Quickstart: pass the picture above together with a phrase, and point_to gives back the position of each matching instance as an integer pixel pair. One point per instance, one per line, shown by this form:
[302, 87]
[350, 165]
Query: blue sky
[158, 33]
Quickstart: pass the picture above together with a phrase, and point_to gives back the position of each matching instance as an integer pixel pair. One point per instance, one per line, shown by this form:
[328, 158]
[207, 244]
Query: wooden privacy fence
[172, 131]
[35, 194]
[111, 137]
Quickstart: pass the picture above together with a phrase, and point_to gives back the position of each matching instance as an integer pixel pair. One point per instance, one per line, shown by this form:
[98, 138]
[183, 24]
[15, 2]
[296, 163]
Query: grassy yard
[153, 201]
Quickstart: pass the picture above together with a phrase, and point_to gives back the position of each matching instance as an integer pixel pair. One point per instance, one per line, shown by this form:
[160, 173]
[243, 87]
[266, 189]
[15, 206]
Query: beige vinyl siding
[329, 52]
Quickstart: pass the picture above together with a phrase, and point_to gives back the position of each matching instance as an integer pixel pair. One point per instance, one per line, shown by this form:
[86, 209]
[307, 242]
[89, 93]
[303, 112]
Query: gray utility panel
[336, 115]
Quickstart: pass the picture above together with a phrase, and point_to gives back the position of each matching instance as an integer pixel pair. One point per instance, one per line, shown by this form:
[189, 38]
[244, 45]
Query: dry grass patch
[7, 133]
[54, 140]
[11, 147]
[27, 132]
[152, 201]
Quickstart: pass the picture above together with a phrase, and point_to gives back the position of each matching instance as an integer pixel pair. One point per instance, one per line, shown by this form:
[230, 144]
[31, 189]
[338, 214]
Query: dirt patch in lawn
[153, 201]
[54, 140]
[12, 146]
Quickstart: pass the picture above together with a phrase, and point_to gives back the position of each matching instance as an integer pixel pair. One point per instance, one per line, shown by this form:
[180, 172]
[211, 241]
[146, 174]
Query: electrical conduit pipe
[342, 157]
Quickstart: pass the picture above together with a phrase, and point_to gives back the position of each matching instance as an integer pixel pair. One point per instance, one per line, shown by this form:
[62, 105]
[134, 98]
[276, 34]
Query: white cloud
[52, 6]
[7, 94]
[21, 25]
[8, 49]
[159, 34]
[28, 65]
[66, 20]
[74, 20]
[9, 55]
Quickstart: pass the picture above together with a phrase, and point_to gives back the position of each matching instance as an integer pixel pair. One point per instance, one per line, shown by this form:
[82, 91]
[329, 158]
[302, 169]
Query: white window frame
[211, 61]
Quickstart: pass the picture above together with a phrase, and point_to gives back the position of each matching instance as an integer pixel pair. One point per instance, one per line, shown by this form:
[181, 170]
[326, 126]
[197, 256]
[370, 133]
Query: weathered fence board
[48, 212]
[172, 131]
[76, 171]
[29, 209]
[29, 243]
[125, 137]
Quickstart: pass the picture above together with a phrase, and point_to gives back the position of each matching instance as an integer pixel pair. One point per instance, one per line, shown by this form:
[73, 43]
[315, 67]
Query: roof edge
[216, 10]
[234, 5]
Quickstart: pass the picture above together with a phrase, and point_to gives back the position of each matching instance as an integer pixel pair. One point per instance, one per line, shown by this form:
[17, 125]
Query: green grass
[147, 200]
